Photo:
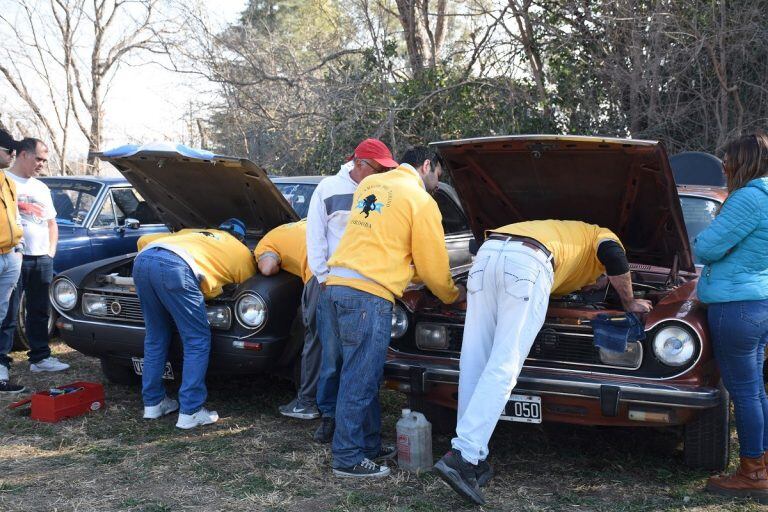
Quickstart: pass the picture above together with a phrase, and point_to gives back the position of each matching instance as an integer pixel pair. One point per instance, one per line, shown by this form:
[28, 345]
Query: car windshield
[298, 195]
[698, 213]
[73, 199]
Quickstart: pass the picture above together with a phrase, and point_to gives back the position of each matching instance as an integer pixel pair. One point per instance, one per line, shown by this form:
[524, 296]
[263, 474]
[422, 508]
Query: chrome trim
[51, 291]
[107, 324]
[696, 337]
[237, 317]
[631, 368]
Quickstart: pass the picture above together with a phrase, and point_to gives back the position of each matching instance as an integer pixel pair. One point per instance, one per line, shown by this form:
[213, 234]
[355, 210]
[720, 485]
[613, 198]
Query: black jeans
[35, 280]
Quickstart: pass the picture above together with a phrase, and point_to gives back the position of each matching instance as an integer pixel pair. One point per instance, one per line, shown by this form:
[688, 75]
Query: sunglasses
[5, 149]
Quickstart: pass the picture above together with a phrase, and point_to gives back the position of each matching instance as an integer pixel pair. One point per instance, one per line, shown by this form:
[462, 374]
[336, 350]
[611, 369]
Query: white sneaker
[4, 373]
[167, 406]
[201, 417]
[49, 364]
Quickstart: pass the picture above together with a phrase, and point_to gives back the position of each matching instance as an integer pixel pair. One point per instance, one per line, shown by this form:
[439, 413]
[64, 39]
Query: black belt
[531, 243]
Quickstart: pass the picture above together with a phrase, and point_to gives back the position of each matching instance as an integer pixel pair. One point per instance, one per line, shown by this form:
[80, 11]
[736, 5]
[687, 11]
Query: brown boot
[749, 481]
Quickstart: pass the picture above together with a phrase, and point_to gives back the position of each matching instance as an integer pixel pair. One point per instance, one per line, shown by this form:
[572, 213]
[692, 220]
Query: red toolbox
[75, 399]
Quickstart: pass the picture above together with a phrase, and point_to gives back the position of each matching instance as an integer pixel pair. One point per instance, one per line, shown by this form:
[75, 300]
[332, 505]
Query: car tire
[20, 341]
[706, 440]
[117, 373]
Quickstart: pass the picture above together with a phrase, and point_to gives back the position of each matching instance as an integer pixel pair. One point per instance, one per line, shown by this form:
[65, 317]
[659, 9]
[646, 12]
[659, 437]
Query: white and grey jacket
[327, 218]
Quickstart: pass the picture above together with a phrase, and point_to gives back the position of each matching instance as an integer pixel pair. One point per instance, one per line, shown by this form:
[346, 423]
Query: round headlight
[251, 311]
[399, 321]
[64, 294]
[674, 346]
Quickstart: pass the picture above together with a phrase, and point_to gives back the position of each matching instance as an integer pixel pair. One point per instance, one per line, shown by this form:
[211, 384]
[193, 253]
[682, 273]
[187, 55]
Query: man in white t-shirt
[38, 218]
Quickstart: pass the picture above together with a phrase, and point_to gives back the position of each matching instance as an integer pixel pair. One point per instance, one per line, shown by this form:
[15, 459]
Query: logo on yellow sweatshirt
[369, 204]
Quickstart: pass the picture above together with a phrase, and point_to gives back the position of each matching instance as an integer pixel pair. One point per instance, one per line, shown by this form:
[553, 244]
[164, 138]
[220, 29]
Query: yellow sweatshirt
[394, 226]
[288, 243]
[10, 223]
[216, 257]
[573, 245]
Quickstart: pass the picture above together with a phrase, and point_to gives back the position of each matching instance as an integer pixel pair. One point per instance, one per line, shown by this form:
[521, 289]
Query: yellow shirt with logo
[10, 223]
[216, 257]
[394, 229]
[289, 244]
[573, 245]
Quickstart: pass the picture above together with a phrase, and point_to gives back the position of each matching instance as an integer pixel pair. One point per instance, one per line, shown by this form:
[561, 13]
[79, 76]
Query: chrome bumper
[418, 375]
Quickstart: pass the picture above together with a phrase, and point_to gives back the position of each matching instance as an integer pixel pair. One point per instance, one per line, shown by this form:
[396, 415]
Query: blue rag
[614, 332]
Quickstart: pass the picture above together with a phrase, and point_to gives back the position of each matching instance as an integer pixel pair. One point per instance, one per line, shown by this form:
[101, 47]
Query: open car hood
[623, 185]
[191, 188]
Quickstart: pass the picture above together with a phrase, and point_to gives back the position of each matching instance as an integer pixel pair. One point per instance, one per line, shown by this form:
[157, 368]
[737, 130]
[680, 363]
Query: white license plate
[523, 408]
[138, 367]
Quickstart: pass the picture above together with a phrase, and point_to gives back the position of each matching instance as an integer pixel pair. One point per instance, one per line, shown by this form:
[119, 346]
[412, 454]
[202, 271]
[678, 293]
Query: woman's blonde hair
[746, 158]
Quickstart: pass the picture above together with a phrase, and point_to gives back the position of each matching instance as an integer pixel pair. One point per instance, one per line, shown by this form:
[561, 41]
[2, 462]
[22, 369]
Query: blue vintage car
[98, 217]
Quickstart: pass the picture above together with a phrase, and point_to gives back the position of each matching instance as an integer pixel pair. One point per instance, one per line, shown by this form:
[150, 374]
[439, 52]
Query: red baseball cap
[374, 149]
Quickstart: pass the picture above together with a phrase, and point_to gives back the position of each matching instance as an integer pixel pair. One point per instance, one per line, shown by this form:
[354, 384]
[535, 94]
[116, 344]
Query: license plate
[138, 367]
[523, 408]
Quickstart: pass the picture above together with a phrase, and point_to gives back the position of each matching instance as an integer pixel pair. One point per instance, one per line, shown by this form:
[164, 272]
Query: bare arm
[623, 285]
[269, 264]
[53, 237]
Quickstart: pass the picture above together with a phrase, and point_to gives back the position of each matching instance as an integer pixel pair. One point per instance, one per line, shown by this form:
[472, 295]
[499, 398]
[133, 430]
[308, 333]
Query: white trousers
[507, 298]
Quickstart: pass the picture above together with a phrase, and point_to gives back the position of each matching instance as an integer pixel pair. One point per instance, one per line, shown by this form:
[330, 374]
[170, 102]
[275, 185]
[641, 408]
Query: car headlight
[630, 358]
[399, 321]
[674, 346]
[251, 311]
[219, 317]
[64, 294]
[431, 336]
[94, 305]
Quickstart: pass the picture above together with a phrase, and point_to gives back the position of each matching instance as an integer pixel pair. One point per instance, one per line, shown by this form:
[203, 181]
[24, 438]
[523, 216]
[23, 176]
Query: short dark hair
[416, 155]
[28, 144]
[6, 141]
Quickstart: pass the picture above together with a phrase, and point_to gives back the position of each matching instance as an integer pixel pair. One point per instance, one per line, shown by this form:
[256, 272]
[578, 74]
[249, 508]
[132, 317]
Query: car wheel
[706, 440]
[117, 373]
[20, 341]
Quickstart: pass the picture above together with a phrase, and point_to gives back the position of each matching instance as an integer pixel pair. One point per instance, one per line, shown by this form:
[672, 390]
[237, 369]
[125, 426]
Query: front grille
[122, 307]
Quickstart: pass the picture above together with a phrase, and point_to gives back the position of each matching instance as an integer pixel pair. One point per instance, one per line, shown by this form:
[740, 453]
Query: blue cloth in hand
[614, 332]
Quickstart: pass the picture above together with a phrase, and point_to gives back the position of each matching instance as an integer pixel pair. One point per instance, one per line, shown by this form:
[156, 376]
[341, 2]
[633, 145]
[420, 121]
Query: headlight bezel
[54, 293]
[693, 342]
[238, 315]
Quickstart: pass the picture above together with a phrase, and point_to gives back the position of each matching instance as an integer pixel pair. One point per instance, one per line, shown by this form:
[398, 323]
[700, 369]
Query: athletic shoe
[201, 417]
[460, 475]
[49, 364]
[294, 410]
[483, 472]
[167, 406]
[324, 433]
[11, 388]
[385, 453]
[366, 468]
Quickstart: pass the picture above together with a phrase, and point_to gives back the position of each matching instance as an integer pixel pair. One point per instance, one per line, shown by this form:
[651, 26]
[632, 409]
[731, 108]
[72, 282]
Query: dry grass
[254, 459]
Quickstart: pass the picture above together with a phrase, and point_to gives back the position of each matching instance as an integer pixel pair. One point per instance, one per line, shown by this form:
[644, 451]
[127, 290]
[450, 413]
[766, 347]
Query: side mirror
[473, 246]
[132, 223]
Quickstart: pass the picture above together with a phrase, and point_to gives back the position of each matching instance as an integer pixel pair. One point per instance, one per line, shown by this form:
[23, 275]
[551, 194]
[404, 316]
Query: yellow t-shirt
[394, 229]
[289, 243]
[573, 245]
[216, 257]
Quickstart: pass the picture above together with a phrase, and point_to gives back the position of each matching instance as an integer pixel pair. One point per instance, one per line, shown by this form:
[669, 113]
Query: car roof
[298, 179]
[717, 193]
[109, 180]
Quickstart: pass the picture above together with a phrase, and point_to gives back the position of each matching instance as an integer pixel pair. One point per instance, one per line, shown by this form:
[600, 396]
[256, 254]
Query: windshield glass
[73, 199]
[698, 212]
[298, 195]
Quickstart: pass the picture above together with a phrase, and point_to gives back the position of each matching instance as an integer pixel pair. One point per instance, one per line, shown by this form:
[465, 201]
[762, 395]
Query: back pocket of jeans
[754, 312]
[475, 278]
[350, 321]
[519, 279]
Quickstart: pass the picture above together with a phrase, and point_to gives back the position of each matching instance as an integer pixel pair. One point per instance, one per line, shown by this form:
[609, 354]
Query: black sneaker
[366, 468]
[7, 386]
[483, 473]
[460, 475]
[385, 453]
[324, 433]
[298, 411]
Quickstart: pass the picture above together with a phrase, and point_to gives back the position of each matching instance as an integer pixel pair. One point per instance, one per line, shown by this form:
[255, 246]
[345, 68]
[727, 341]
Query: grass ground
[256, 460]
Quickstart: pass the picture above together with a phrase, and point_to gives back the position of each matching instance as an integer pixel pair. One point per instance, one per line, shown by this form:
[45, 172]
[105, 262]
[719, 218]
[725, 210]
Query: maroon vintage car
[669, 379]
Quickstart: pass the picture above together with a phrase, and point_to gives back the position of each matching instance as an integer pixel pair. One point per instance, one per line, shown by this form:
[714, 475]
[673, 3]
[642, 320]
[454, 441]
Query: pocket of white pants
[519, 279]
[475, 278]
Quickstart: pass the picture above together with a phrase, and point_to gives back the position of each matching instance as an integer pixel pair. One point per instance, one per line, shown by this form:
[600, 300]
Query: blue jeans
[10, 268]
[170, 294]
[356, 328]
[35, 280]
[739, 334]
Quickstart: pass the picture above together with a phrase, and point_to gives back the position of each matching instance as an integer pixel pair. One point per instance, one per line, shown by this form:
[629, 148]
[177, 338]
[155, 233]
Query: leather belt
[531, 243]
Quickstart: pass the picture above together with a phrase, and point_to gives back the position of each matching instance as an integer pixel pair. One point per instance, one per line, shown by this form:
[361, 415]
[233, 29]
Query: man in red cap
[326, 219]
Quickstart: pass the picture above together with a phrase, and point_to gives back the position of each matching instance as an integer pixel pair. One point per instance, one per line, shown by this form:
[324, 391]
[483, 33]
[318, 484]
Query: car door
[108, 231]
[455, 226]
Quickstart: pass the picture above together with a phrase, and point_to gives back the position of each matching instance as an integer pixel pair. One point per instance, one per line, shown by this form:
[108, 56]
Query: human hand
[462, 294]
[640, 306]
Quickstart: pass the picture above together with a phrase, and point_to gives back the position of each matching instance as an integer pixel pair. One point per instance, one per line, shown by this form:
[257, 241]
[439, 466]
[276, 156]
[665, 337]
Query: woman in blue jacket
[734, 283]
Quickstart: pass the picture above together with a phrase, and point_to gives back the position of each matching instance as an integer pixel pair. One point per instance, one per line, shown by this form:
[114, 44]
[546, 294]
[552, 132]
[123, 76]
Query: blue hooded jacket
[734, 248]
